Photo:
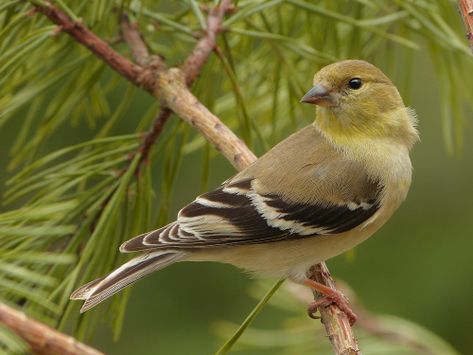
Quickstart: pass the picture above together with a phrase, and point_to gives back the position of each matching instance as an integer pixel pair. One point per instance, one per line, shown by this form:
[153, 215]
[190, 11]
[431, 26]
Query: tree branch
[173, 92]
[139, 49]
[41, 338]
[131, 35]
[336, 323]
[152, 135]
[140, 52]
[466, 10]
[170, 87]
[98, 46]
[194, 62]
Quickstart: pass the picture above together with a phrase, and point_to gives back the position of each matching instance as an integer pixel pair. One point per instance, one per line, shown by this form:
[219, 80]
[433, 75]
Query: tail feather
[83, 292]
[98, 290]
[135, 244]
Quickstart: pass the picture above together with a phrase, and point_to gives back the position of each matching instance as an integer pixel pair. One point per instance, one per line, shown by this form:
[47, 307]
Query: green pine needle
[249, 319]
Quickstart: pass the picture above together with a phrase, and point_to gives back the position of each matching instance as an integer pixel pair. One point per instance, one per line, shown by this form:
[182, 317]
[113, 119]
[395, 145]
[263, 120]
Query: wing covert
[237, 214]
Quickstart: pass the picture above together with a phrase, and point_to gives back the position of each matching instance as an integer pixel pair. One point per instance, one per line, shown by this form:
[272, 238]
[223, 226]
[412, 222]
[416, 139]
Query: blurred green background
[417, 267]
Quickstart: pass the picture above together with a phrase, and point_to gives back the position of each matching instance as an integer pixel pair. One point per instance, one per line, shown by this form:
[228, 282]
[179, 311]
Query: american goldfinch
[315, 195]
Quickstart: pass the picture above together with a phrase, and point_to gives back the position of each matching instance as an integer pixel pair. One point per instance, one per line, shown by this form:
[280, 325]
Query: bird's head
[356, 100]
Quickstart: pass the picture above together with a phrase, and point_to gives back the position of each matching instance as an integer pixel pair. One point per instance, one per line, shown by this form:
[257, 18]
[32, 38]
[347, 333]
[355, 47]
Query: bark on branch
[172, 90]
[466, 10]
[170, 87]
[81, 34]
[41, 338]
[152, 135]
[336, 323]
[131, 35]
[194, 62]
[138, 47]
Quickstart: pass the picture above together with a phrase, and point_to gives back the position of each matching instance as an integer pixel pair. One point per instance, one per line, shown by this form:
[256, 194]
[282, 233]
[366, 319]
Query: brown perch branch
[41, 338]
[336, 323]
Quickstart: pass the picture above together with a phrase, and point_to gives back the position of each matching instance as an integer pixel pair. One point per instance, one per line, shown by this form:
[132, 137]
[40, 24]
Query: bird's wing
[334, 195]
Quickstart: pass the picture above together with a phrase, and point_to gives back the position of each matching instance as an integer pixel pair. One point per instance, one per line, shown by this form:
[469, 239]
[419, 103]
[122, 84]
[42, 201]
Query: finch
[315, 195]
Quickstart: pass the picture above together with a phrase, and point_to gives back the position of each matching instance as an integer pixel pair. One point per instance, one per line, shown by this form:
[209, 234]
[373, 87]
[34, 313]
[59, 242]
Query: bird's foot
[314, 306]
[341, 303]
[331, 297]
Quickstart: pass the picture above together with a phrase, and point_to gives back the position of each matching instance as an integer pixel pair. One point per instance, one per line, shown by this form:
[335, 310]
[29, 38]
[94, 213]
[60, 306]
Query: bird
[316, 194]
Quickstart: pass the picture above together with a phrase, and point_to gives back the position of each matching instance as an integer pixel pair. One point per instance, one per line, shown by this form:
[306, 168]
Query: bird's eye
[355, 83]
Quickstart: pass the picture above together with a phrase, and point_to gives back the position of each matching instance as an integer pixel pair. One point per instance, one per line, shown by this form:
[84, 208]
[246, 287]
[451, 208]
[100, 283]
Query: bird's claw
[315, 305]
[341, 302]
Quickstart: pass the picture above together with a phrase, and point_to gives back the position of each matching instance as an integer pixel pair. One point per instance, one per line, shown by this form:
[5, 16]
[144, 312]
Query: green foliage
[11, 342]
[66, 209]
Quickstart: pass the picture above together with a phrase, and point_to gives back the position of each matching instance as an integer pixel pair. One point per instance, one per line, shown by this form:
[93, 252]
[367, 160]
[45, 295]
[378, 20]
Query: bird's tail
[98, 290]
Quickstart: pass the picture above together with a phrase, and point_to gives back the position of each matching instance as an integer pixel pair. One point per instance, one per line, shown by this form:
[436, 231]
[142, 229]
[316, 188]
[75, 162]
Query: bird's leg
[331, 296]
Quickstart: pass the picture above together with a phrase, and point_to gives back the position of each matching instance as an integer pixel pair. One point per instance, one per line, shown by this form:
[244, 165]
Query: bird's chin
[326, 102]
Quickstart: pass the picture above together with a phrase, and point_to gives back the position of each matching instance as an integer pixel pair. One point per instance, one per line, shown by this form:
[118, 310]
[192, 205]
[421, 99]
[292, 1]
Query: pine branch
[140, 52]
[77, 30]
[138, 47]
[41, 338]
[334, 320]
[194, 62]
[152, 135]
[170, 87]
[172, 90]
[466, 11]
[135, 41]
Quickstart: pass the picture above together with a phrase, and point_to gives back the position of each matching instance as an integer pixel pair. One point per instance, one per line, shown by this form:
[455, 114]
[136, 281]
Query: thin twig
[152, 135]
[136, 43]
[140, 52]
[170, 87]
[194, 62]
[131, 35]
[41, 338]
[466, 10]
[81, 34]
[148, 140]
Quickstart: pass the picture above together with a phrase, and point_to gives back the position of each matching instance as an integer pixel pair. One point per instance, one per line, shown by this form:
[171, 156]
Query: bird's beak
[319, 95]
